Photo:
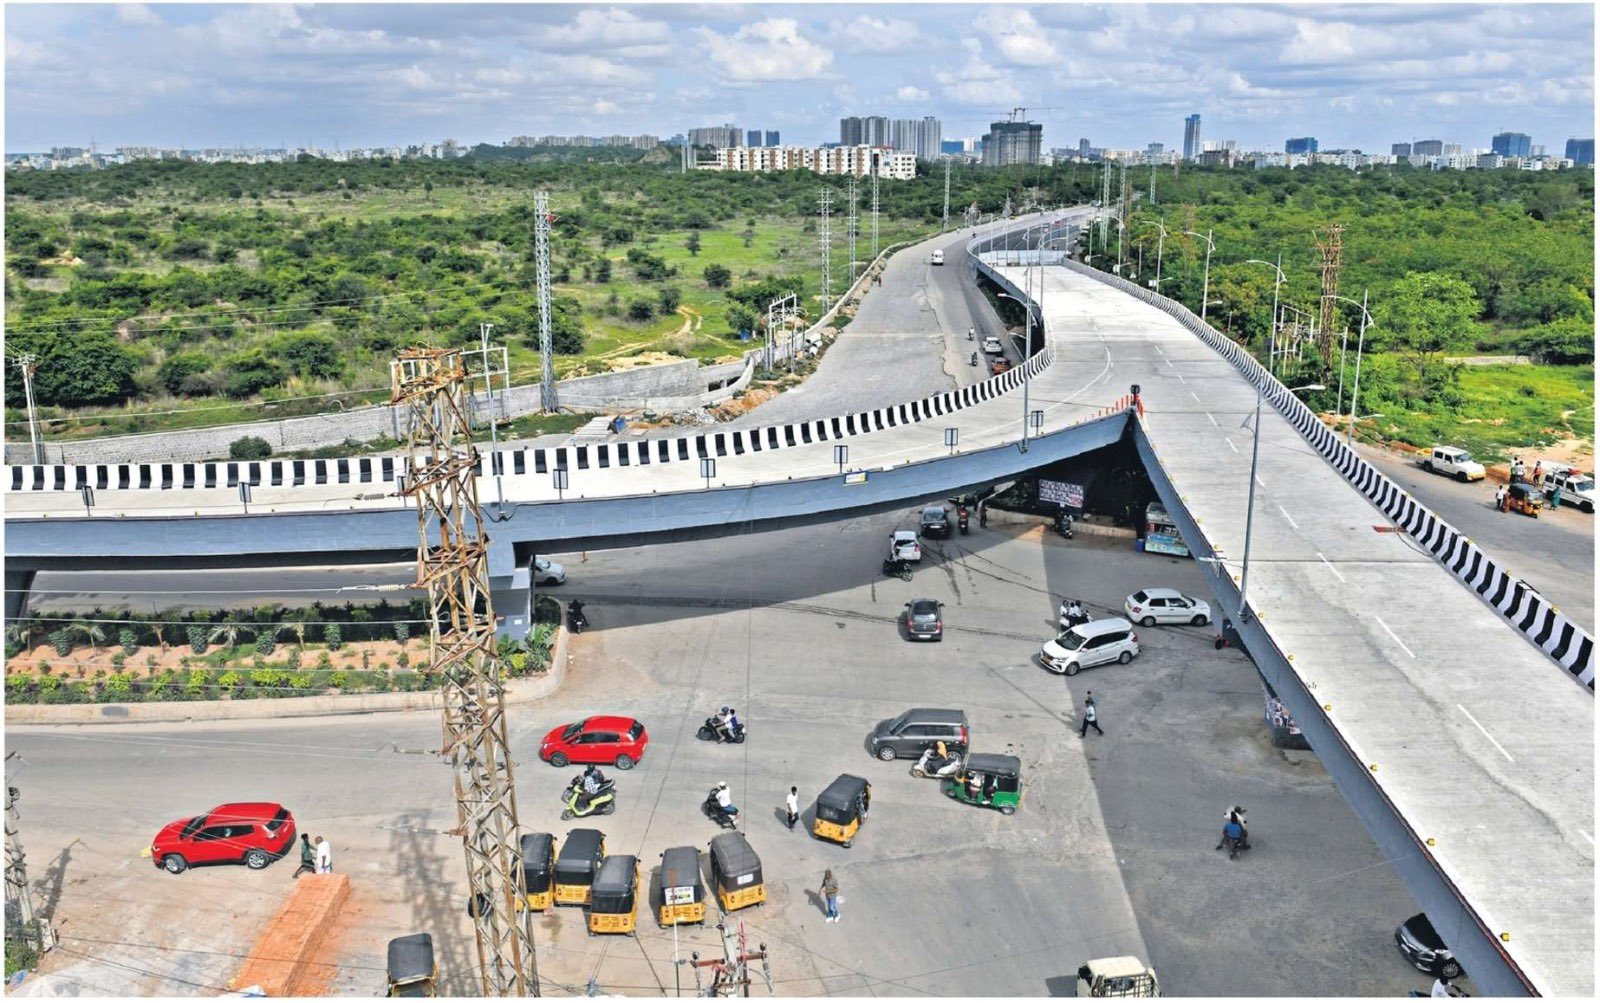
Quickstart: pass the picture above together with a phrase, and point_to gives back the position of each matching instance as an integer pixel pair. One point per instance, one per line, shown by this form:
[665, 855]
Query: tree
[717, 276]
[249, 447]
[693, 243]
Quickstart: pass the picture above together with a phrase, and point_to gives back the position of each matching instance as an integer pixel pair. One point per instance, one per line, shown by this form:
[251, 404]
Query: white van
[938, 258]
[1090, 644]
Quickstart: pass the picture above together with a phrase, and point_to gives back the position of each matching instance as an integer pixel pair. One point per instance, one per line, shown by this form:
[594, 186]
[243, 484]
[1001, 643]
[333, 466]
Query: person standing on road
[830, 896]
[324, 856]
[791, 804]
[1091, 717]
[308, 857]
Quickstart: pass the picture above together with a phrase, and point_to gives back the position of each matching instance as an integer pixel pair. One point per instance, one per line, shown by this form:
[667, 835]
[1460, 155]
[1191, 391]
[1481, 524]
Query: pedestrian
[1091, 717]
[1500, 498]
[308, 857]
[830, 896]
[792, 805]
[324, 856]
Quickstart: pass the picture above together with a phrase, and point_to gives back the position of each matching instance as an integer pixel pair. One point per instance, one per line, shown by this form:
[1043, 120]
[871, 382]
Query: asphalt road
[1554, 553]
[1111, 853]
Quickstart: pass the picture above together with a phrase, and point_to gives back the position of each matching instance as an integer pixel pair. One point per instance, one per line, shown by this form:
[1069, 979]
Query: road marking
[1396, 637]
[1490, 737]
[1286, 515]
[1213, 419]
[1195, 396]
[1230, 444]
[1331, 567]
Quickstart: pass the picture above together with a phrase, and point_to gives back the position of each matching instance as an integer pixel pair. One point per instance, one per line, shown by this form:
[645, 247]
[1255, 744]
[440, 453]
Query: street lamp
[1205, 293]
[1355, 390]
[1160, 246]
[1250, 507]
[1272, 330]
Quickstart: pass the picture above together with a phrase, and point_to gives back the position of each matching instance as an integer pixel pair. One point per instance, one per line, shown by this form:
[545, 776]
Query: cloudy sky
[1122, 75]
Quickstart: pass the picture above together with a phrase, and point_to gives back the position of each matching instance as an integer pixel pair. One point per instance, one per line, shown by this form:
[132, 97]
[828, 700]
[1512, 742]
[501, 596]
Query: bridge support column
[18, 585]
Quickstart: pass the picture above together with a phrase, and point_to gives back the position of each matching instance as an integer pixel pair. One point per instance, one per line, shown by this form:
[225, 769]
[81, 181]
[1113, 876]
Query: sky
[1122, 75]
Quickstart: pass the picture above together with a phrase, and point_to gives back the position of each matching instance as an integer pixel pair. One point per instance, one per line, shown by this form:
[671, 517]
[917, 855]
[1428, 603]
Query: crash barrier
[644, 452]
[1529, 612]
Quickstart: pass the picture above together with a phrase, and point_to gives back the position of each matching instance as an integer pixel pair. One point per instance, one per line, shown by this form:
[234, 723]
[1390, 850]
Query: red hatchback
[252, 833]
[619, 741]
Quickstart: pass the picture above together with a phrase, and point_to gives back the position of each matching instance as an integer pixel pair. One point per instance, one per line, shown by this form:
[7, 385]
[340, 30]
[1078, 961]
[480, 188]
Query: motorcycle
[581, 804]
[713, 811]
[709, 732]
[1071, 615]
[930, 765]
[576, 621]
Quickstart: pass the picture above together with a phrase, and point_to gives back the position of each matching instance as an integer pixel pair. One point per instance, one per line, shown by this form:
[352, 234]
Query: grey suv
[906, 736]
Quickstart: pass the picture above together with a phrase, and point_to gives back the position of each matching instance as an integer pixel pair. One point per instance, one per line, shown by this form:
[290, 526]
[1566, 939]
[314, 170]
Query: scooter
[582, 805]
[576, 621]
[713, 810]
[930, 765]
[709, 732]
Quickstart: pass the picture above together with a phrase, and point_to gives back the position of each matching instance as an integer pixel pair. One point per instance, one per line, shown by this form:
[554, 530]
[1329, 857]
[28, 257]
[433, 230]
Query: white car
[548, 572]
[991, 344]
[937, 258]
[903, 546]
[1148, 607]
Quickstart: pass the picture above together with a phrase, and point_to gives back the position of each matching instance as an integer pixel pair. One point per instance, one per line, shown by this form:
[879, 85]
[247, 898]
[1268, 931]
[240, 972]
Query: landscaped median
[238, 683]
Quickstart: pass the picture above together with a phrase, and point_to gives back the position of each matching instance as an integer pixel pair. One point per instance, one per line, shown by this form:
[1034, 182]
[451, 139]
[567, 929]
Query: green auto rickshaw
[988, 780]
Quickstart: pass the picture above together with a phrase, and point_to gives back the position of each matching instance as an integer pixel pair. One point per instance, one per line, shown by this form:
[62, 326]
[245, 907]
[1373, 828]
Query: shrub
[249, 447]
[334, 636]
[197, 635]
[61, 640]
[128, 639]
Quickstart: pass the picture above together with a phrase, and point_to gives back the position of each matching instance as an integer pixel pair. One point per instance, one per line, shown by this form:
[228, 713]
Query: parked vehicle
[411, 967]
[988, 780]
[906, 736]
[1148, 607]
[1577, 487]
[576, 865]
[935, 521]
[611, 741]
[903, 546]
[252, 833]
[1126, 976]
[840, 809]
[1094, 643]
[937, 258]
[923, 620]
[992, 345]
[1452, 462]
[614, 902]
[679, 891]
[1422, 946]
[547, 572]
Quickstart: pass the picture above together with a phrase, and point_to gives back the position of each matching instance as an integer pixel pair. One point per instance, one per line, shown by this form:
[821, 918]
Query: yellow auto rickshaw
[840, 809]
[538, 856]
[614, 906]
[576, 866]
[736, 872]
[679, 891]
[411, 968]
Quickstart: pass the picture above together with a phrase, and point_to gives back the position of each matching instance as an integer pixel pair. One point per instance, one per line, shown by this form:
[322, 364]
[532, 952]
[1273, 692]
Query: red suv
[253, 833]
[619, 741]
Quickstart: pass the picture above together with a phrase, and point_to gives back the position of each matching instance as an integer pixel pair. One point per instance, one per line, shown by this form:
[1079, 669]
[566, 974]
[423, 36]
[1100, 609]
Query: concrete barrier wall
[1540, 621]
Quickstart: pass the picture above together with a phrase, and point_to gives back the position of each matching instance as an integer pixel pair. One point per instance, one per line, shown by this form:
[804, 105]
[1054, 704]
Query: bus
[1161, 534]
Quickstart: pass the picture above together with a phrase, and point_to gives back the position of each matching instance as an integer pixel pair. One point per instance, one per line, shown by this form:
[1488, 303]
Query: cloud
[1019, 38]
[772, 49]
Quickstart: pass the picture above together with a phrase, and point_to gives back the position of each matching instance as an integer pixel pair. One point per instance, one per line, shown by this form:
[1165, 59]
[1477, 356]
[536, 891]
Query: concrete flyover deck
[1482, 746]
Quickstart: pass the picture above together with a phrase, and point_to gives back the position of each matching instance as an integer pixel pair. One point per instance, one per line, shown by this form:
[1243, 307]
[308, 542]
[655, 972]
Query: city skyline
[377, 75]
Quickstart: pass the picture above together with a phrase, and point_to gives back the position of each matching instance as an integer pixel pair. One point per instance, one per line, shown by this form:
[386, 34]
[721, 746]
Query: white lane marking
[1195, 396]
[1287, 516]
[1331, 567]
[1396, 637]
[1230, 444]
[1213, 419]
[1490, 737]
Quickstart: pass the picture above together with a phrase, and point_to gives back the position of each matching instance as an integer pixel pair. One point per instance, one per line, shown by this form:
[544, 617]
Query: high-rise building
[1301, 144]
[772, 138]
[1580, 151]
[1399, 149]
[1191, 136]
[1427, 148]
[1512, 144]
[1012, 143]
[752, 137]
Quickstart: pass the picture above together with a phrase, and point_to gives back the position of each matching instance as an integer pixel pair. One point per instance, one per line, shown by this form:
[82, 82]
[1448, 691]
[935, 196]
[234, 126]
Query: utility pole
[944, 226]
[825, 243]
[28, 363]
[541, 256]
[851, 227]
[21, 920]
[462, 653]
[873, 160]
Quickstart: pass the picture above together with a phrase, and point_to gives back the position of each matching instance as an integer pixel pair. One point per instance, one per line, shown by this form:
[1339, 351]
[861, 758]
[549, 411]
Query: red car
[254, 833]
[618, 741]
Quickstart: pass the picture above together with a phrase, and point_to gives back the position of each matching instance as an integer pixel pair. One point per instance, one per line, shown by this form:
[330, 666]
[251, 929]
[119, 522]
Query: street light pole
[1205, 291]
[1250, 506]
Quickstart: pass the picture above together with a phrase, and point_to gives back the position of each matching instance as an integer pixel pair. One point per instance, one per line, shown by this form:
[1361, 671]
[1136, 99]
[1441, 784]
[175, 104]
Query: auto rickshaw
[412, 970]
[614, 907]
[1524, 498]
[538, 855]
[679, 891]
[840, 809]
[736, 872]
[576, 866]
[988, 780]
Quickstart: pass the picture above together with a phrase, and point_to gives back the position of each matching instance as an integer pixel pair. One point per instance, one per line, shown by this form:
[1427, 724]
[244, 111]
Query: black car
[935, 521]
[923, 621]
[906, 736]
[1421, 945]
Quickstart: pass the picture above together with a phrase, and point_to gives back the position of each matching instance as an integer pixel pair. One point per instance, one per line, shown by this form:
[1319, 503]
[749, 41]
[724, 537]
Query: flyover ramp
[1481, 745]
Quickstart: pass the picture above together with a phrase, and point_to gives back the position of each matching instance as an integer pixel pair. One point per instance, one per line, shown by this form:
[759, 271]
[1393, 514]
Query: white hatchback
[1149, 607]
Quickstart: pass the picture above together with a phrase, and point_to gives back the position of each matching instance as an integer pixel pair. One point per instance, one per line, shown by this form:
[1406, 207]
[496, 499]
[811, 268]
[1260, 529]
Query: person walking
[791, 804]
[308, 857]
[1091, 717]
[830, 896]
[324, 856]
